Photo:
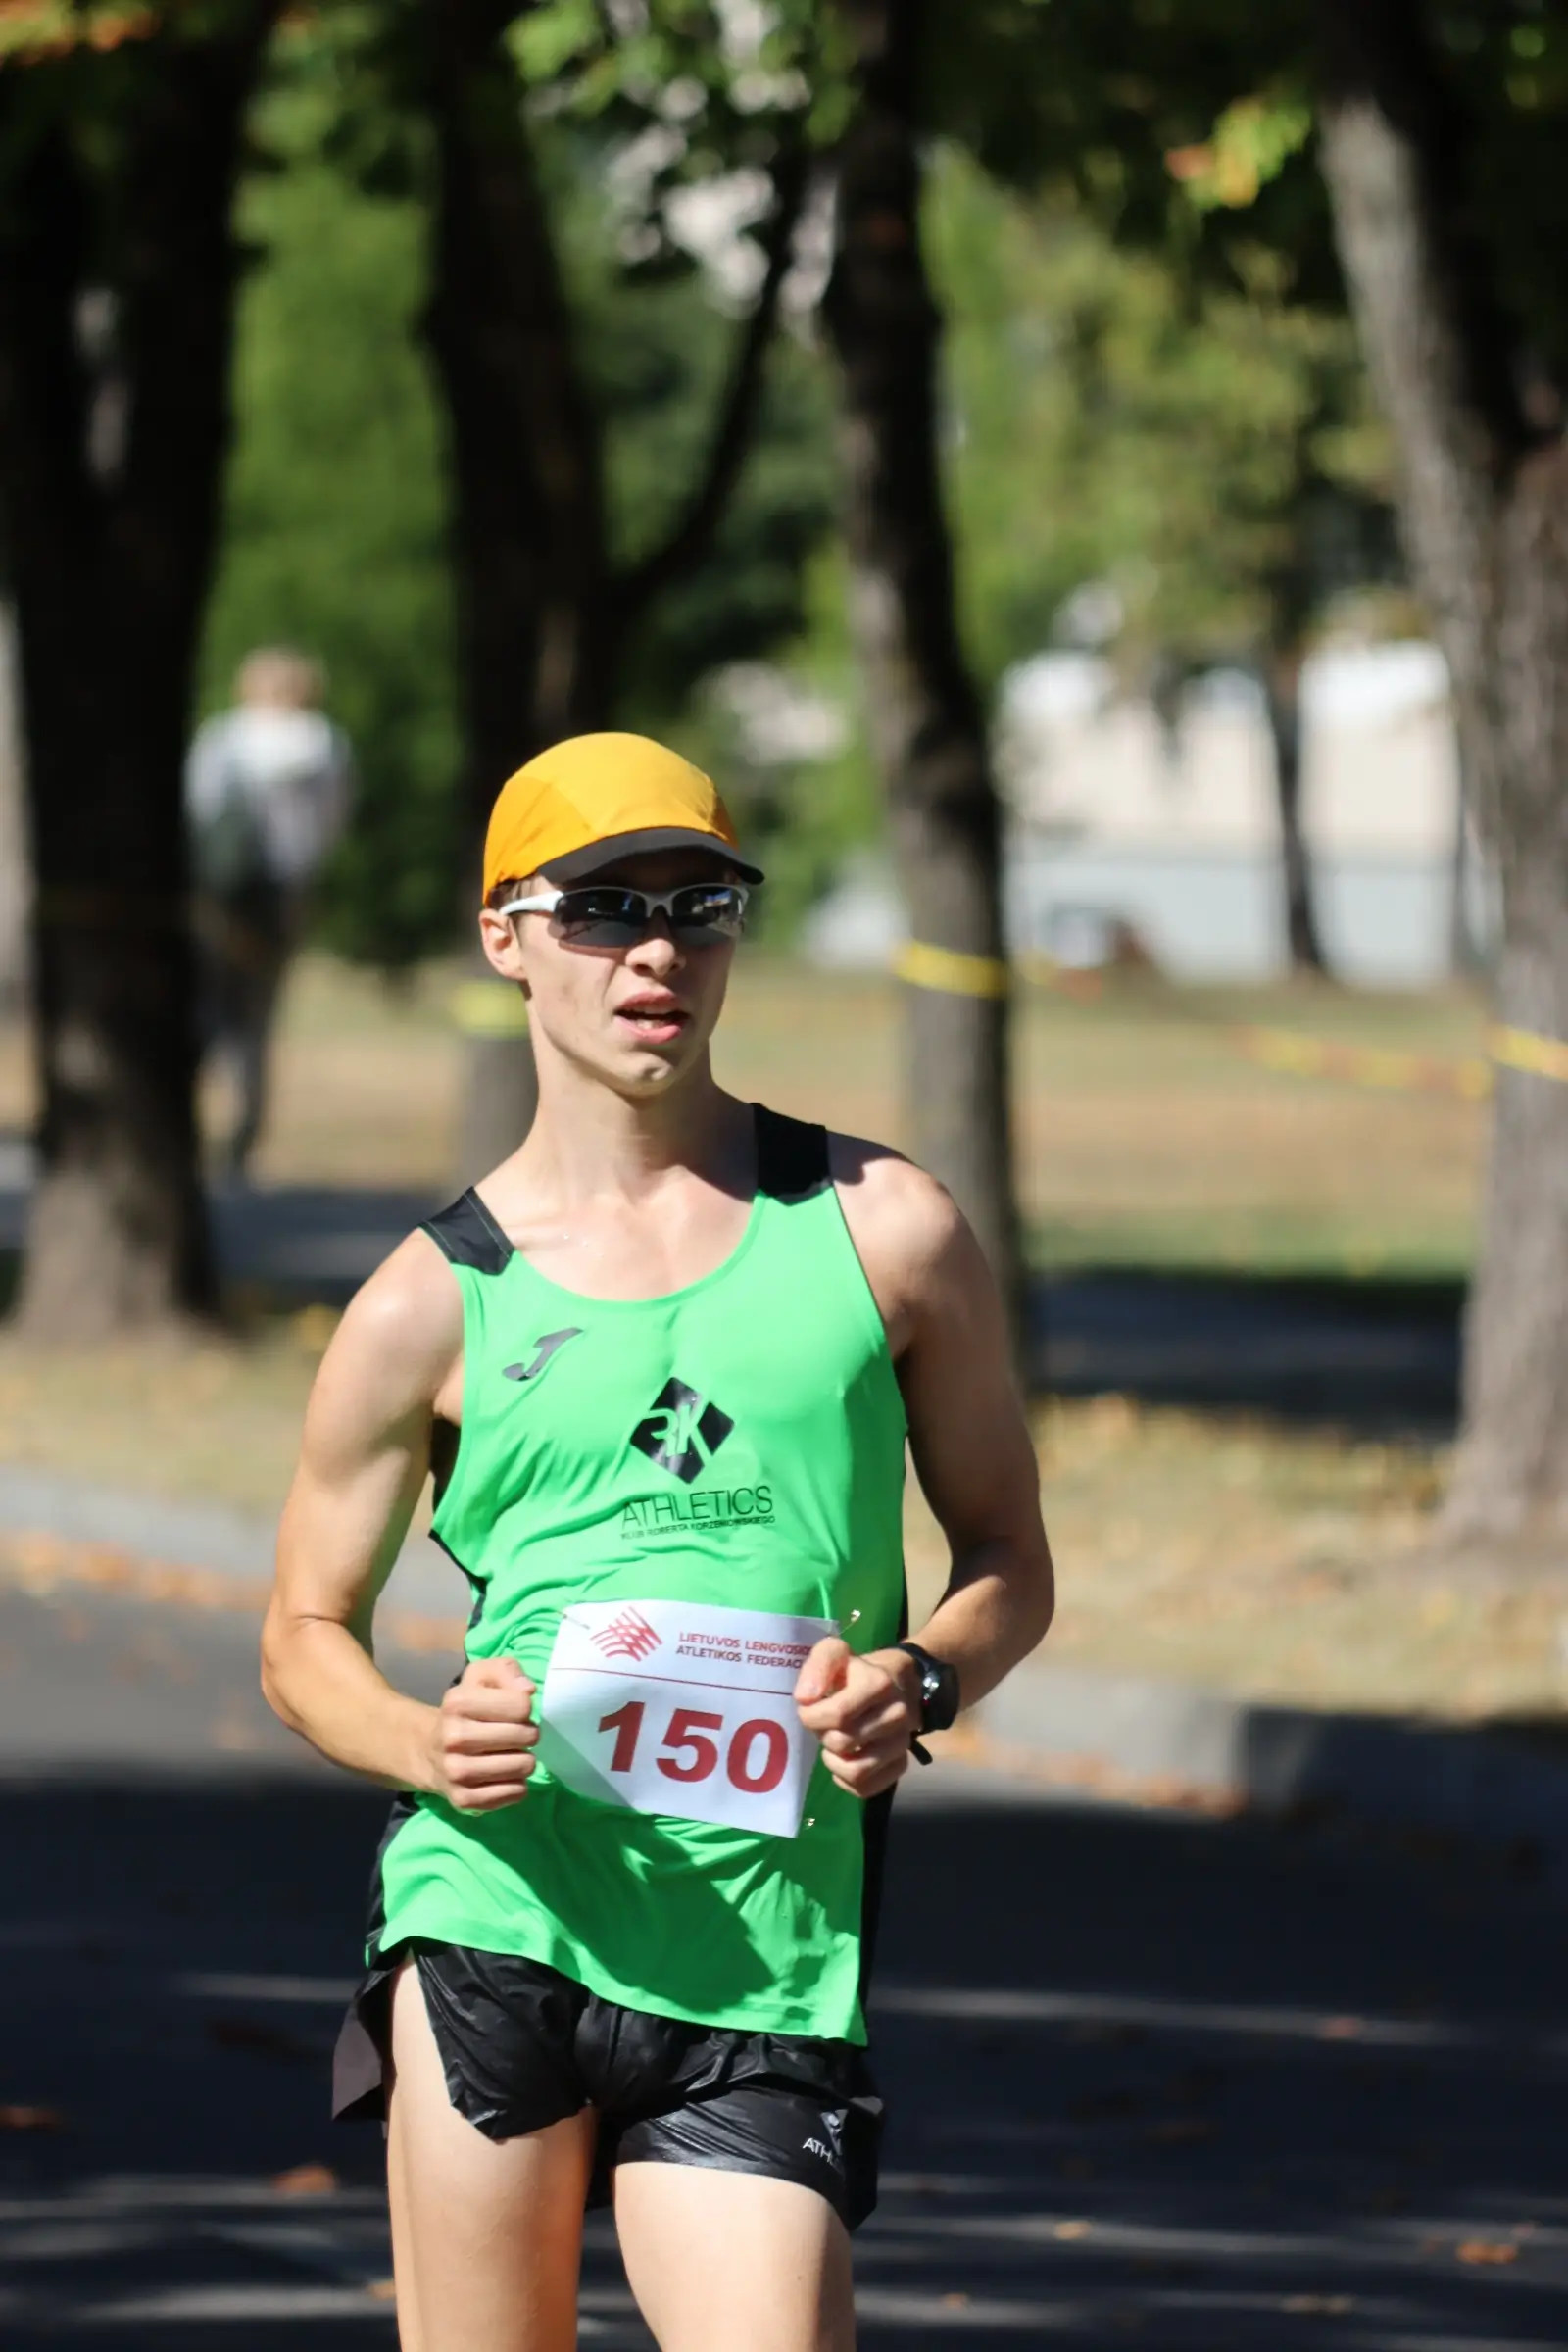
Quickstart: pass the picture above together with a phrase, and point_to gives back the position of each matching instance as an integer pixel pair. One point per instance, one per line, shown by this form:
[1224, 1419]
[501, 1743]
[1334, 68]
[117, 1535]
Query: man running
[662, 1364]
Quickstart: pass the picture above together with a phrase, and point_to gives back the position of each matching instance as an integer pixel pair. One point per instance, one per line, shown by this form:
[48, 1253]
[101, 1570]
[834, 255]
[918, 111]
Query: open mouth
[656, 1022]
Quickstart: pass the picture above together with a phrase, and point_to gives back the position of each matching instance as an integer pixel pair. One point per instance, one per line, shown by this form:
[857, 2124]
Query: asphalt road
[1153, 2079]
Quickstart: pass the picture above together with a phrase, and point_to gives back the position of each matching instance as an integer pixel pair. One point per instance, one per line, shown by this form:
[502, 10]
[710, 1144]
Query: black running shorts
[521, 2047]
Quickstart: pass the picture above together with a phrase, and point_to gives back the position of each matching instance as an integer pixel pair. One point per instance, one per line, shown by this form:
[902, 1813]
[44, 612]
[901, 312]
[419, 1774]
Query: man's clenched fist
[483, 1735]
[864, 1710]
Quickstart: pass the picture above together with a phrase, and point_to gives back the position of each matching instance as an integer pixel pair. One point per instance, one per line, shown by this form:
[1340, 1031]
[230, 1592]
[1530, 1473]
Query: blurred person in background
[267, 787]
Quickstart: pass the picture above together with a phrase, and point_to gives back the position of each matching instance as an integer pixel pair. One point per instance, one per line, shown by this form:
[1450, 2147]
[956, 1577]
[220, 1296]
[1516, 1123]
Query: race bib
[668, 1707]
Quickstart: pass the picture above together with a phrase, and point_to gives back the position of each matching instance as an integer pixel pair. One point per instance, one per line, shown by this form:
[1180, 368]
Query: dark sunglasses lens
[602, 917]
[710, 911]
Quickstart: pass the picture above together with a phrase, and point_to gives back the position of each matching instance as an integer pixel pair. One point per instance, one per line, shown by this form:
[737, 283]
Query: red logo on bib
[628, 1636]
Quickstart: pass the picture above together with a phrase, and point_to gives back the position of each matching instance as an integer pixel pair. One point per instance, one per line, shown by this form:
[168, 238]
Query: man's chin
[640, 1069]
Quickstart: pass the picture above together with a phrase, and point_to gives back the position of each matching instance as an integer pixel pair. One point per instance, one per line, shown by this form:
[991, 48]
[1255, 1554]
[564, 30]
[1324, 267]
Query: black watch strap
[938, 1688]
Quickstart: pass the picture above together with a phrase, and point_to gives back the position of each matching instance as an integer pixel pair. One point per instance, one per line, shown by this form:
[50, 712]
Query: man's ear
[500, 944]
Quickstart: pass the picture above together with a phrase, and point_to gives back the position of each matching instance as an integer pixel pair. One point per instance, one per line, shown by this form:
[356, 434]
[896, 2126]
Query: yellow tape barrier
[490, 1008]
[494, 1009]
[1527, 1050]
[1292, 1055]
[950, 972]
[1285, 1051]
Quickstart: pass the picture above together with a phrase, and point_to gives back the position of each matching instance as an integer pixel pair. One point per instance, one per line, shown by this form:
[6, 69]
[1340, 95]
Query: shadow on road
[1374, 1356]
[1174, 2081]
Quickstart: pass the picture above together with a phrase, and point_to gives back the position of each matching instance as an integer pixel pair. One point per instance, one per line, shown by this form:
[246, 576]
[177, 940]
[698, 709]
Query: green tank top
[691, 1477]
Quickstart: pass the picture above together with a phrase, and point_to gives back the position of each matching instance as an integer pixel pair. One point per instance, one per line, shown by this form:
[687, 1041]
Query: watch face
[939, 1688]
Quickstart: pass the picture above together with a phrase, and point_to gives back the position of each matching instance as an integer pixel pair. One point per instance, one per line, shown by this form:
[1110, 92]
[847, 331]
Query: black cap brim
[595, 856]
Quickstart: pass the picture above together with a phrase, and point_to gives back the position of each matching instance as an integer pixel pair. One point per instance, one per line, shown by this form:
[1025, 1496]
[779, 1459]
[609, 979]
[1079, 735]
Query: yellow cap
[598, 797]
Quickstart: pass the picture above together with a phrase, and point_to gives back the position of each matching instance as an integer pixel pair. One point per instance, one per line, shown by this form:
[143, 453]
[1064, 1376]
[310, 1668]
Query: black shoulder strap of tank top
[791, 1155]
[468, 1235]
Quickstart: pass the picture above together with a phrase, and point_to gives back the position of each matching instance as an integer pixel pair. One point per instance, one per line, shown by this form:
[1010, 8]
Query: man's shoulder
[403, 1326]
[892, 1207]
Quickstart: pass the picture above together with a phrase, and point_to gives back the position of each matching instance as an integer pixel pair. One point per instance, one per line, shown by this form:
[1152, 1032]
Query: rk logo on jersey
[683, 1431]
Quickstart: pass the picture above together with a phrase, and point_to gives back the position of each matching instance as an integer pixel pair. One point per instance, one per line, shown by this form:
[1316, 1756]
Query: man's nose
[659, 950]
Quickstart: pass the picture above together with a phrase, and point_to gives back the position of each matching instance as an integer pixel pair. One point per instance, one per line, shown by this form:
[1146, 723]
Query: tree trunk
[1484, 508]
[15, 861]
[1513, 1458]
[527, 529]
[1465, 958]
[542, 614]
[115, 338]
[927, 731]
[1282, 693]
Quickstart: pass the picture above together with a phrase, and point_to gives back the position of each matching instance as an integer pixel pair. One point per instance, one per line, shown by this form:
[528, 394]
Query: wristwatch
[939, 1687]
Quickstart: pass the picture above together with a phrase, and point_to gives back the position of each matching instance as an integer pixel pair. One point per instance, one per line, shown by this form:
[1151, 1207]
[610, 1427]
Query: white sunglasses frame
[656, 902]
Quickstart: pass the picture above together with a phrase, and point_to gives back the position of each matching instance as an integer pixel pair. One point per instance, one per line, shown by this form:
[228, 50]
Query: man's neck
[587, 1139]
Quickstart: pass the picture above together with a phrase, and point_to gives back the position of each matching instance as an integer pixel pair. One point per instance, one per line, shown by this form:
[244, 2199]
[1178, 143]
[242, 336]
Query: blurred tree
[334, 533]
[1205, 451]
[923, 714]
[548, 604]
[120, 138]
[1441, 142]
[802, 782]
[337, 527]
[1433, 190]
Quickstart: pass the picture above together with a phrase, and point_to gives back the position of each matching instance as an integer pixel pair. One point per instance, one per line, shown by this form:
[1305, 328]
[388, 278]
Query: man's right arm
[362, 1462]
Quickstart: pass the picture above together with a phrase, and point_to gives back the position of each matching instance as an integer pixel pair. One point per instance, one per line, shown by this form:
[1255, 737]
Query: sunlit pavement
[1153, 2079]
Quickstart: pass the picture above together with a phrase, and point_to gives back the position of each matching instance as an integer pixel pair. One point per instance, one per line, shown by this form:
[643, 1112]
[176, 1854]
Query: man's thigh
[486, 2236]
[720, 2259]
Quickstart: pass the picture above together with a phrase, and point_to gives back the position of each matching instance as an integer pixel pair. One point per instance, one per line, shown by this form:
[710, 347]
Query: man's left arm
[976, 1463]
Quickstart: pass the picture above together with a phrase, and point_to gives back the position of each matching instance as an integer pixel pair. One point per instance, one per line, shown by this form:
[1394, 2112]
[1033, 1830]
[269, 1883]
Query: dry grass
[1276, 1563]
[1287, 1565]
[1145, 1135]
[213, 1423]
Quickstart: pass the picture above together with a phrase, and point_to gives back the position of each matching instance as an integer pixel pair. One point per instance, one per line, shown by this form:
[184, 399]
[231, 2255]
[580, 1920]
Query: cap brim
[578, 865]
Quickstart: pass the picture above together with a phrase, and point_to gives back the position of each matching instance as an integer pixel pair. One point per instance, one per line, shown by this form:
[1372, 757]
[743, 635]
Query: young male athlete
[662, 1364]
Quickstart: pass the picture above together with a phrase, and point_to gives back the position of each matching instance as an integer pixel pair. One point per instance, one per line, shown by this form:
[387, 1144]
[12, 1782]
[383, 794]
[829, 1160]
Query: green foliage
[338, 504]
[657, 354]
[801, 819]
[334, 536]
[733, 66]
[1110, 422]
[1252, 142]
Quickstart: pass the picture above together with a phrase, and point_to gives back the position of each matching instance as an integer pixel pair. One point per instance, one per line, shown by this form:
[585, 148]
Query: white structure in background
[12, 834]
[1119, 821]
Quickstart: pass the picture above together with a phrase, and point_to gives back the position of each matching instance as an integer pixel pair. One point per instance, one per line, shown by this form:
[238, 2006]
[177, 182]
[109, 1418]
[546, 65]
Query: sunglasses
[605, 914]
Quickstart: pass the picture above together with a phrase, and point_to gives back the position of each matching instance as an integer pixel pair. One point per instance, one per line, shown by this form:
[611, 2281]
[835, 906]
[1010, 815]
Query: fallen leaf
[1486, 2250]
[306, 2181]
[956, 2302]
[1070, 2228]
[30, 2119]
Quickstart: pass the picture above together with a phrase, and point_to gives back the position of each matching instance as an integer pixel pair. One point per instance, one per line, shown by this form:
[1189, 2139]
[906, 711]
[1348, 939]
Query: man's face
[637, 1017]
